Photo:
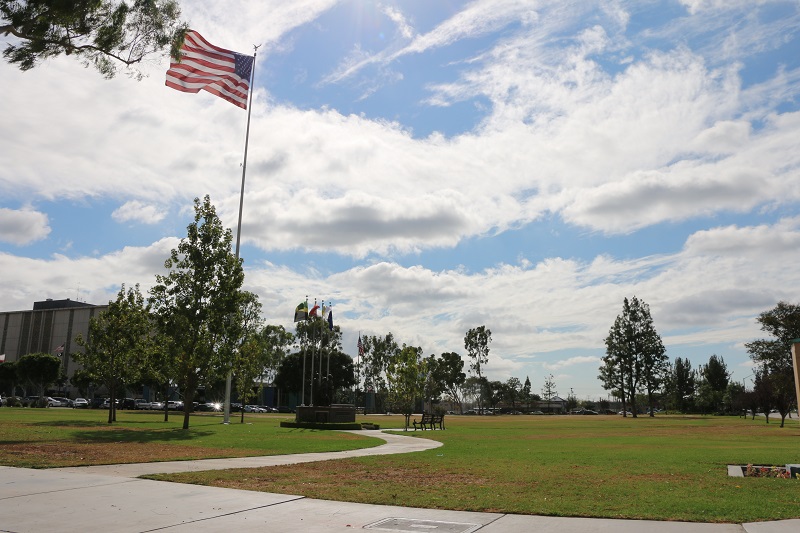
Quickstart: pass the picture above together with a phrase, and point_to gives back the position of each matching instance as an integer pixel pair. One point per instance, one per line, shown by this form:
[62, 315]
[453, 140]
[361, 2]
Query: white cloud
[136, 211]
[23, 227]
[705, 294]
[572, 361]
[404, 27]
[697, 6]
[477, 18]
[583, 120]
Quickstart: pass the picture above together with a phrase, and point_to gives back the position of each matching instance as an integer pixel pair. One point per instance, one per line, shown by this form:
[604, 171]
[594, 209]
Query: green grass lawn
[666, 468]
[45, 438]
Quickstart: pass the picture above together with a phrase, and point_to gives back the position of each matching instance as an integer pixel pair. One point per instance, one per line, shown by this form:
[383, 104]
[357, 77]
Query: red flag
[222, 72]
[60, 349]
[360, 346]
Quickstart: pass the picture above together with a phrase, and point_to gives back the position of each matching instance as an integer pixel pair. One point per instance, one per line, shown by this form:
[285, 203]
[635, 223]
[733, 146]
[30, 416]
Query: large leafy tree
[101, 33]
[716, 373]
[493, 392]
[196, 304]
[512, 392]
[405, 377]
[290, 372]
[783, 324]
[433, 387]
[613, 370]
[679, 385]
[476, 342]
[448, 371]
[83, 380]
[117, 344]
[714, 381]
[248, 359]
[378, 352]
[635, 356]
[773, 357]
[276, 342]
[40, 370]
[8, 377]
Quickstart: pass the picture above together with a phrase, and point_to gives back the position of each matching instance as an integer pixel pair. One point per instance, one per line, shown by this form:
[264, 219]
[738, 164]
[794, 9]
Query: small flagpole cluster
[323, 313]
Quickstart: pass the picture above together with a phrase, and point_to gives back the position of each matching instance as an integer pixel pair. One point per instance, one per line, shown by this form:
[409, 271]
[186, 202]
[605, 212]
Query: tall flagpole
[227, 408]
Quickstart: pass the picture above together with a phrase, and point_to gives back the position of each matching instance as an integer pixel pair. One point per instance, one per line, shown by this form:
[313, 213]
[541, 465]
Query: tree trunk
[111, 405]
[188, 399]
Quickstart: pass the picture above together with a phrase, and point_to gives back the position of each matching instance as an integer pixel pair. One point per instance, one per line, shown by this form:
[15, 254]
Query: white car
[80, 403]
[141, 404]
[65, 402]
[175, 405]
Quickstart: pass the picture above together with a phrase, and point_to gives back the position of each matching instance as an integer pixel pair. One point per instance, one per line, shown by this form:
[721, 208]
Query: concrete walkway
[395, 443]
[110, 499]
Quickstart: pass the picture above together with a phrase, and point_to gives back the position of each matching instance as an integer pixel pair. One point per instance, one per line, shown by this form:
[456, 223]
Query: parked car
[156, 406]
[80, 403]
[589, 412]
[175, 405]
[64, 402]
[537, 413]
[127, 403]
[39, 401]
[285, 409]
[141, 403]
[107, 403]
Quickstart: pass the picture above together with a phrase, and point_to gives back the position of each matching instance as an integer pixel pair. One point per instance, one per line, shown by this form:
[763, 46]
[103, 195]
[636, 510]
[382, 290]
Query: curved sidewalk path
[111, 498]
[395, 443]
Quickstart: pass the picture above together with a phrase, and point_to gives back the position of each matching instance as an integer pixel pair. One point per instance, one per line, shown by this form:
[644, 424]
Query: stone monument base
[326, 414]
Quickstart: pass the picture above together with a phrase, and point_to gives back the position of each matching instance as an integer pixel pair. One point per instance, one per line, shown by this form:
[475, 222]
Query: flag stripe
[205, 67]
[190, 84]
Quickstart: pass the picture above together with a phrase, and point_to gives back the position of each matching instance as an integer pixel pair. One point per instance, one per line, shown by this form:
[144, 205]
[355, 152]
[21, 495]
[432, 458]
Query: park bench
[429, 421]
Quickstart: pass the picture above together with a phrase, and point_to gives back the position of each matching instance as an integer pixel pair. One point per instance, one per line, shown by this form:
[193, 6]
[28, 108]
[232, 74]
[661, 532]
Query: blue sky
[430, 167]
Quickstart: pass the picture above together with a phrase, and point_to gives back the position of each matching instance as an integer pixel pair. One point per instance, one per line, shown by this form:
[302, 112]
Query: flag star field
[430, 167]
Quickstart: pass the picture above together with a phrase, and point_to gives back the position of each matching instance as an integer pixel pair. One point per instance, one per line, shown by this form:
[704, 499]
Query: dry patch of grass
[54, 455]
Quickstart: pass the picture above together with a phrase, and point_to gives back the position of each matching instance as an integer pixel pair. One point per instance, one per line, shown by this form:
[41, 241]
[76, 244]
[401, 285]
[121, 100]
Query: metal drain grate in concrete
[416, 525]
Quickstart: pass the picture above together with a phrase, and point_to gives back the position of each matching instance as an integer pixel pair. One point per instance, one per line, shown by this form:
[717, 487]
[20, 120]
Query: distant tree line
[637, 372]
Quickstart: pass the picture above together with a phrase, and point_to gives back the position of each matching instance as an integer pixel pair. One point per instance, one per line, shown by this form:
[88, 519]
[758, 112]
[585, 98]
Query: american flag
[60, 349]
[360, 347]
[204, 66]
